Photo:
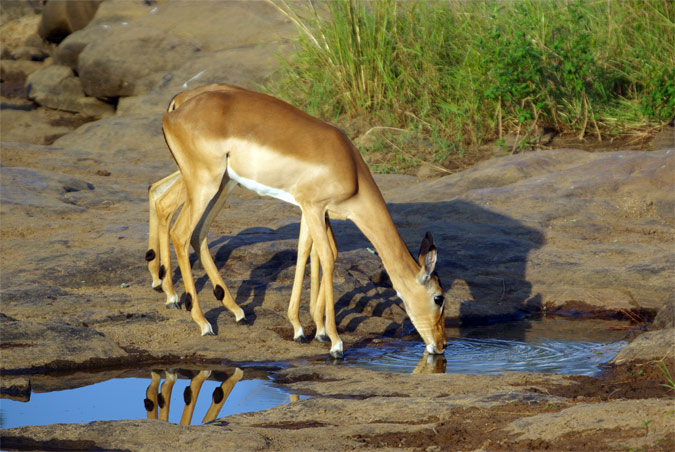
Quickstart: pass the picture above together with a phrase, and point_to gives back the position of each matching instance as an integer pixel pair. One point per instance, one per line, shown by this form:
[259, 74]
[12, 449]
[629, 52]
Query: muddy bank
[351, 409]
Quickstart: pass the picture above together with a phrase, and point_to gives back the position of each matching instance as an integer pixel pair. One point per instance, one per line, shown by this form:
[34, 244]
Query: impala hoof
[301, 339]
[158, 287]
[336, 351]
[243, 321]
[172, 305]
[207, 330]
[322, 338]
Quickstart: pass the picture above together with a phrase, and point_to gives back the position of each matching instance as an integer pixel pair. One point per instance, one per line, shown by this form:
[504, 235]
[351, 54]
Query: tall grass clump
[433, 80]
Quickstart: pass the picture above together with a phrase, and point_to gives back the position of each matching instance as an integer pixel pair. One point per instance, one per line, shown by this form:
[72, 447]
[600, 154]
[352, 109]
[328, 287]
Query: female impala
[168, 194]
[221, 138]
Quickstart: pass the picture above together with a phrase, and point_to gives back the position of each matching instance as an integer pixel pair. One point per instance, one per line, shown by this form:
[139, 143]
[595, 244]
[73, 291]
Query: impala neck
[377, 225]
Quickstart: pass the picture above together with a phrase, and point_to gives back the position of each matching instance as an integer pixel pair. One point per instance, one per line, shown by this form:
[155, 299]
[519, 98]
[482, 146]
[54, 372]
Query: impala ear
[427, 258]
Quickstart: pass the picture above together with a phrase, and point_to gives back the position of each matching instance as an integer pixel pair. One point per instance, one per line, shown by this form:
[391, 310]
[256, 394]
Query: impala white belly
[261, 189]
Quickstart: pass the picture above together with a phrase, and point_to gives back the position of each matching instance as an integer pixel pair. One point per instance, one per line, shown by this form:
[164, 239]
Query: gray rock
[56, 87]
[118, 64]
[59, 19]
[654, 345]
[37, 346]
[665, 318]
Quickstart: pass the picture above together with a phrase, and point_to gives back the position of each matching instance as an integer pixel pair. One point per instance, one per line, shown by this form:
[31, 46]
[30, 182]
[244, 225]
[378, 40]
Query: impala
[168, 194]
[222, 138]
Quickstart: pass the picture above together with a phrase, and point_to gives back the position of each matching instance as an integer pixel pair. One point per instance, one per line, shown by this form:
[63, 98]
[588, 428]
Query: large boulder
[562, 231]
[131, 60]
[60, 18]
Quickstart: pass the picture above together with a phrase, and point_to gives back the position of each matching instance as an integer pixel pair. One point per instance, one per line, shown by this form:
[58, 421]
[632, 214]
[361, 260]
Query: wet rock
[654, 345]
[666, 315]
[15, 388]
[38, 346]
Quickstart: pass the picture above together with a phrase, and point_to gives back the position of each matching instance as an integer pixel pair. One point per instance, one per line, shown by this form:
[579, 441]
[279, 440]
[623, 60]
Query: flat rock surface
[561, 231]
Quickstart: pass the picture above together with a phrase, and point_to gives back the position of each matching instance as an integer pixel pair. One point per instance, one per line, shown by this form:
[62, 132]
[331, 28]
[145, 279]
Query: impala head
[424, 302]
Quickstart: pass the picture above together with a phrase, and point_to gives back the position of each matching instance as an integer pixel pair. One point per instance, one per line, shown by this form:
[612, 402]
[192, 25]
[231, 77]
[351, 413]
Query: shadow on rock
[483, 258]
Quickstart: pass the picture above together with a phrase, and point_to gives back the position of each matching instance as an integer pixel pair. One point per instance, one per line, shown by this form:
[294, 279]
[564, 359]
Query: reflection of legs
[191, 394]
[164, 399]
[220, 289]
[150, 401]
[220, 395]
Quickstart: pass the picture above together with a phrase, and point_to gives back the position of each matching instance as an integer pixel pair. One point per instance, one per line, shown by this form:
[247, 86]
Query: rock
[13, 74]
[15, 388]
[124, 63]
[654, 345]
[56, 87]
[16, 32]
[36, 346]
[511, 227]
[59, 18]
[666, 315]
[245, 67]
[665, 139]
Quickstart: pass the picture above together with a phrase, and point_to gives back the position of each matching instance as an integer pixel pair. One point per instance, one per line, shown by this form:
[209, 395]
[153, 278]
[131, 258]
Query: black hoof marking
[149, 405]
[301, 339]
[243, 321]
[209, 333]
[160, 400]
[187, 301]
[337, 354]
[187, 395]
[218, 395]
[219, 292]
[150, 255]
[322, 338]
[172, 306]
[157, 288]
[162, 272]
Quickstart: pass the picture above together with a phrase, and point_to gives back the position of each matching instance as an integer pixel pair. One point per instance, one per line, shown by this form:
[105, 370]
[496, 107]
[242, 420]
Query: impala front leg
[304, 247]
[317, 302]
[318, 230]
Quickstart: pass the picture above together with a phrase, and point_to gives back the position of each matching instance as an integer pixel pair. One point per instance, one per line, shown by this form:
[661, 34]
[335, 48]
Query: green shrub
[449, 76]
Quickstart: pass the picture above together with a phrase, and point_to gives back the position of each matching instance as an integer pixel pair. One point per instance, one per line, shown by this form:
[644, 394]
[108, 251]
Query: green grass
[437, 79]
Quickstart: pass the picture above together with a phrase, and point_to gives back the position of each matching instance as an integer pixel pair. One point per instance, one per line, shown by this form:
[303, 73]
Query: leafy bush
[445, 77]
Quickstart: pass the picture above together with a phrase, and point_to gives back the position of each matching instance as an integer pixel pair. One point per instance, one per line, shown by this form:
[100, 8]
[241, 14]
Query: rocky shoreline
[560, 232]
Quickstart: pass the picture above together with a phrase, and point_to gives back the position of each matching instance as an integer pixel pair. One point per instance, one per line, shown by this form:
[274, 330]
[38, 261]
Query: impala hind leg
[220, 289]
[156, 192]
[166, 206]
[196, 206]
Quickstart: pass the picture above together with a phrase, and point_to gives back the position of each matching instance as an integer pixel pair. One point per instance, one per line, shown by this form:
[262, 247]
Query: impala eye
[439, 299]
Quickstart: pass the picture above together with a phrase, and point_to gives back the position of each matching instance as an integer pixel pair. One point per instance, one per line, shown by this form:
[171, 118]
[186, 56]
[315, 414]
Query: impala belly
[261, 189]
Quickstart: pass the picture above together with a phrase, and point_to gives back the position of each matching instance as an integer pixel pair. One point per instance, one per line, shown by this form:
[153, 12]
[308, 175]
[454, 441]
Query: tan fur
[165, 198]
[218, 135]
